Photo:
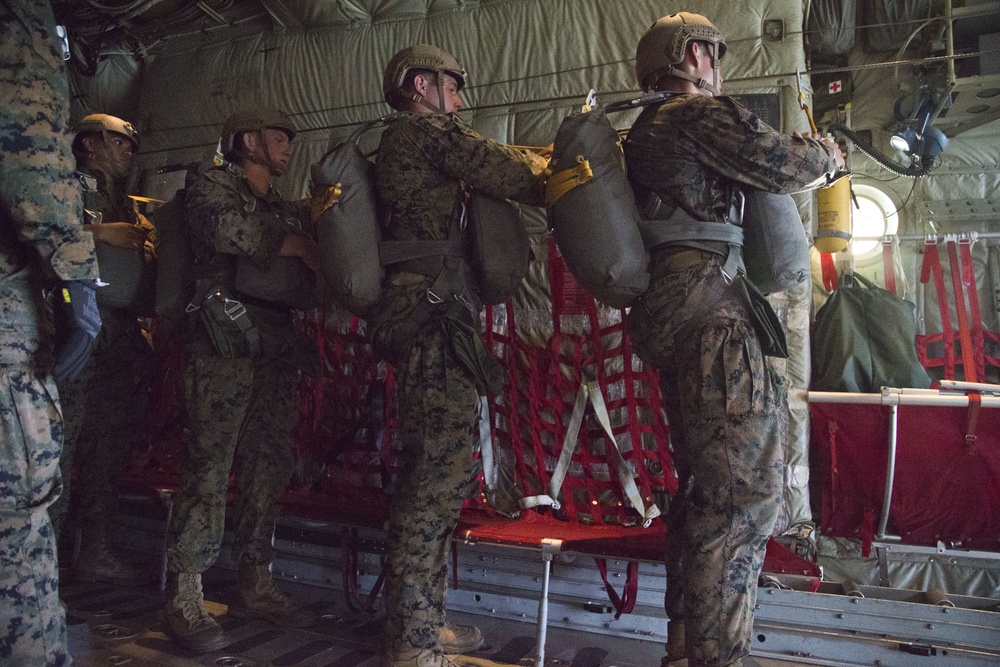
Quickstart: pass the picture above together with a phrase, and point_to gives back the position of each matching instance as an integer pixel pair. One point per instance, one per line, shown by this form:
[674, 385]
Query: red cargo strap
[975, 402]
[626, 603]
[965, 335]
[829, 270]
[932, 264]
[887, 265]
[975, 315]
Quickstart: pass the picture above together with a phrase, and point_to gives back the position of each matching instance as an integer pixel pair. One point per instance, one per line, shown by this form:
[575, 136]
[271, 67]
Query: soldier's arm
[734, 142]
[39, 195]
[221, 218]
[484, 164]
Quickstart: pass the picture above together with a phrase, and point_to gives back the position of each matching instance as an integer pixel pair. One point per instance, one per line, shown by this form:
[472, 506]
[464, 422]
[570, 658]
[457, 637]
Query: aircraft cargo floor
[112, 626]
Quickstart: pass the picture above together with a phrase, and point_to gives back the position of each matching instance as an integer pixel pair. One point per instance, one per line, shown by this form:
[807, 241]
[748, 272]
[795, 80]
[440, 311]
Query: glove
[77, 324]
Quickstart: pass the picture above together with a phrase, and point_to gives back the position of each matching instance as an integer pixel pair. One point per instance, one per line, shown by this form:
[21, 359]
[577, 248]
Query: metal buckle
[233, 309]
[434, 298]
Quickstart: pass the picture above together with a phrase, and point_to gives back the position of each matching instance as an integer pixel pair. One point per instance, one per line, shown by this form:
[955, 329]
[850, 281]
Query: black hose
[915, 170]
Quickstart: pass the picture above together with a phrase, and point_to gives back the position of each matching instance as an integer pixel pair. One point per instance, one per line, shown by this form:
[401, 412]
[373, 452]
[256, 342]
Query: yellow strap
[562, 182]
[323, 200]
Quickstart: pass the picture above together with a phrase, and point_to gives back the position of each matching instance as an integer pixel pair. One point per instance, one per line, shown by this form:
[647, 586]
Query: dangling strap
[932, 264]
[626, 603]
[965, 242]
[887, 265]
[829, 269]
[964, 334]
[591, 392]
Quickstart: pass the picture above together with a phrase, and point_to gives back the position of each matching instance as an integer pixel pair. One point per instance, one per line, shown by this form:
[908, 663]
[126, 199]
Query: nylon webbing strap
[964, 333]
[655, 232]
[591, 392]
[625, 603]
[394, 252]
[563, 181]
[887, 265]
[932, 266]
[975, 314]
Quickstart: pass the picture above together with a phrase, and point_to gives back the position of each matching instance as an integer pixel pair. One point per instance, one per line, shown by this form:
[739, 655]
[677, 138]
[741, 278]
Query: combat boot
[261, 599]
[416, 657]
[459, 638]
[676, 651]
[187, 620]
[96, 562]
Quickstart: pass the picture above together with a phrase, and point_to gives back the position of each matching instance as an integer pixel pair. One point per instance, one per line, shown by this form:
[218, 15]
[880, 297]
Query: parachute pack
[604, 237]
[348, 228]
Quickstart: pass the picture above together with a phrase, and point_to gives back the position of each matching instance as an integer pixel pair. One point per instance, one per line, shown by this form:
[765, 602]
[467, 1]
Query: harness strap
[684, 229]
[591, 392]
[975, 315]
[563, 181]
[887, 265]
[964, 333]
[397, 252]
[932, 266]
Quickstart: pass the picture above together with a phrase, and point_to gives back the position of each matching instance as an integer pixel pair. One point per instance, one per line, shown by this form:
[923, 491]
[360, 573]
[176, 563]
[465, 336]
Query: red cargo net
[968, 351]
[529, 420]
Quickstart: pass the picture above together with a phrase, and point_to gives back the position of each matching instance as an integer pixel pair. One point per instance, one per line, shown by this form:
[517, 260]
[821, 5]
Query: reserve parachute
[775, 248]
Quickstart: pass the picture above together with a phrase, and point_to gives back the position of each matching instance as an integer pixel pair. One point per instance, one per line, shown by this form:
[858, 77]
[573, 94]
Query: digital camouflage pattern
[425, 162]
[241, 415]
[692, 150]
[241, 412]
[722, 399]
[41, 242]
[103, 408]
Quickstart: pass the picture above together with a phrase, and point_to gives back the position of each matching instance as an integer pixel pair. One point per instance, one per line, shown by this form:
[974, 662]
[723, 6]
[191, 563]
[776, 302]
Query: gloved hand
[77, 323]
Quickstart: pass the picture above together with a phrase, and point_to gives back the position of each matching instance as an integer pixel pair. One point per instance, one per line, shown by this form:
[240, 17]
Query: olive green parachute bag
[865, 339]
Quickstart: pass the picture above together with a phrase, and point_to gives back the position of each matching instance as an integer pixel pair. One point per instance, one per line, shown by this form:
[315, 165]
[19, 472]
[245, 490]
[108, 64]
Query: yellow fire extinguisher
[833, 206]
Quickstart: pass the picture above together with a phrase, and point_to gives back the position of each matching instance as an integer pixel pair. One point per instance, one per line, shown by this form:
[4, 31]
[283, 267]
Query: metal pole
[549, 549]
[890, 471]
[896, 397]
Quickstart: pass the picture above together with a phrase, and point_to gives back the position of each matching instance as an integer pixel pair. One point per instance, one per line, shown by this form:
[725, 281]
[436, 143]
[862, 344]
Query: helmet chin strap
[426, 103]
[710, 86]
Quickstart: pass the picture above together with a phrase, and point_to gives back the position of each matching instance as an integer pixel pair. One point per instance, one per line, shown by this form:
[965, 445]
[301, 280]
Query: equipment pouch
[470, 350]
[765, 320]
[78, 322]
[228, 325]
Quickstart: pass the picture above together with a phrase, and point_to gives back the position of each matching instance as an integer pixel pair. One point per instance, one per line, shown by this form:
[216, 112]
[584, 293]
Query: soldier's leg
[115, 408]
[114, 425]
[32, 622]
[217, 394]
[264, 461]
[676, 515]
[73, 403]
[263, 467]
[437, 417]
[735, 456]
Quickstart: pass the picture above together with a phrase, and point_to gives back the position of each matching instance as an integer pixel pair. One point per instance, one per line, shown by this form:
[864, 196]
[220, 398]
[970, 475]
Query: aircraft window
[874, 218]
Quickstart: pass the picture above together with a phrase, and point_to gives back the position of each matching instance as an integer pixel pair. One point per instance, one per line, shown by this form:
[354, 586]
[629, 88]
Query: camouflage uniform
[425, 161]
[240, 411]
[721, 397]
[41, 241]
[104, 406]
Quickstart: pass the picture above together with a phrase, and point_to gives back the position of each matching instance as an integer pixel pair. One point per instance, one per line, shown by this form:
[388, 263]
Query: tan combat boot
[416, 657]
[459, 638]
[96, 562]
[676, 651]
[187, 620]
[263, 600]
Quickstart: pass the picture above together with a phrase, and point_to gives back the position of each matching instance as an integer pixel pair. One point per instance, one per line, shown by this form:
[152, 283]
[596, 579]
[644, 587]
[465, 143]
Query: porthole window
[874, 217]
